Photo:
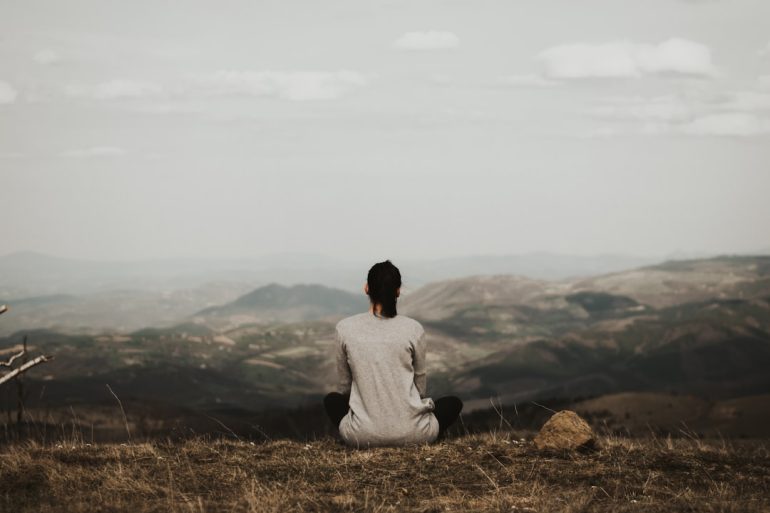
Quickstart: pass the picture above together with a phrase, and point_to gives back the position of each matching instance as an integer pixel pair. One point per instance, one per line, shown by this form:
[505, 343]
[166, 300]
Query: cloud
[747, 101]
[764, 52]
[46, 56]
[94, 151]
[738, 124]
[662, 108]
[7, 93]
[735, 113]
[530, 80]
[427, 40]
[289, 85]
[626, 59]
[116, 89]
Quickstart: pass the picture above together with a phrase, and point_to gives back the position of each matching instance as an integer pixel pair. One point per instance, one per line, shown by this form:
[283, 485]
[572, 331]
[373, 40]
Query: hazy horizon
[390, 129]
[676, 254]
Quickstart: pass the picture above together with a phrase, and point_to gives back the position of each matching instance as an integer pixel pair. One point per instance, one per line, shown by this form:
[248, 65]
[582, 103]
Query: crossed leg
[447, 409]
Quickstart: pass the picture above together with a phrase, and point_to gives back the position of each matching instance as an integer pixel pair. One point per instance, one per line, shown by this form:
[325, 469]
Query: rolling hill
[279, 303]
[116, 310]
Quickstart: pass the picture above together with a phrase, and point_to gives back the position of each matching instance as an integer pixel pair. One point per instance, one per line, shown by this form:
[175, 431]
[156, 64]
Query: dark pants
[447, 410]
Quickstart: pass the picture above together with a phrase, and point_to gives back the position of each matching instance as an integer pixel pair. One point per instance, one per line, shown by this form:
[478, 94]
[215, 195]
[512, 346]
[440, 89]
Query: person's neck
[377, 311]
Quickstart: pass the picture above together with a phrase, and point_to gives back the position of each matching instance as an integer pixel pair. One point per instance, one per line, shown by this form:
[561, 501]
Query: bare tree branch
[3, 309]
[10, 362]
[40, 359]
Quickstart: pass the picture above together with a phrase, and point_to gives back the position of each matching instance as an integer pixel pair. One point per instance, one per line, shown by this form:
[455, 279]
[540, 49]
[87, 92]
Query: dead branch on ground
[23, 353]
[15, 372]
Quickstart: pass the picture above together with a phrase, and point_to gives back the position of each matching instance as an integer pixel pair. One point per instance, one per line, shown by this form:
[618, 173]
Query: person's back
[381, 397]
[381, 364]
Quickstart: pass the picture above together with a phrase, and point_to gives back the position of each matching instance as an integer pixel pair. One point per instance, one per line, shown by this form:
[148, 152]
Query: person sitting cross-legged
[381, 398]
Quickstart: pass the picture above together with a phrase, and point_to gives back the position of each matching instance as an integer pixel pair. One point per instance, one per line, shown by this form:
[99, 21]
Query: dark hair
[384, 279]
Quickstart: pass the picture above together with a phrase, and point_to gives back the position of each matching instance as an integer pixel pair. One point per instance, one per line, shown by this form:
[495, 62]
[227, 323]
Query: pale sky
[398, 129]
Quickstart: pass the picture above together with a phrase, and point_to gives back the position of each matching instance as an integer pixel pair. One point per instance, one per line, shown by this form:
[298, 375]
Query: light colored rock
[565, 430]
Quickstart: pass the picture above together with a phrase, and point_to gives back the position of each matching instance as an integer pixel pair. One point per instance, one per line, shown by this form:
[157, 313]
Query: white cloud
[626, 59]
[661, 108]
[748, 101]
[530, 80]
[736, 113]
[7, 93]
[94, 151]
[764, 81]
[289, 85]
[116, 89]
[427, 40]
[46, 56]
[738, 124]
[764, 52]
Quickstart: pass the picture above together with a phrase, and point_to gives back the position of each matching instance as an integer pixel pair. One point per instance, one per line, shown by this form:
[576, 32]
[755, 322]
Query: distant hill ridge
[276, 302]
[275, 295]
[660, 285]
[224, 305]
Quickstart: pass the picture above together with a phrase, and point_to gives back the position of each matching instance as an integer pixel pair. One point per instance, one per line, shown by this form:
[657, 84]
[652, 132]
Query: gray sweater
[381, 363]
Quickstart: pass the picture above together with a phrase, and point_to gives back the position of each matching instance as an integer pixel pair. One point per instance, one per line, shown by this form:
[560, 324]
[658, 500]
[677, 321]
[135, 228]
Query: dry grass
[483, 472]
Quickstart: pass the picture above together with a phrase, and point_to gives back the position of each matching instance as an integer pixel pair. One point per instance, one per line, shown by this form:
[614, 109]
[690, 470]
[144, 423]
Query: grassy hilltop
[496, 471]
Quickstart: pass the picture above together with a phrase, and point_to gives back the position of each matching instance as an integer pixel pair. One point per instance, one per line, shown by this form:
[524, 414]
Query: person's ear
[398, 291]
[366, 289]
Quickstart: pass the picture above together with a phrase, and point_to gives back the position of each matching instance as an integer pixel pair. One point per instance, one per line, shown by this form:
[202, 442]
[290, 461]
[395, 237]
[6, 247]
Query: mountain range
[699, 327]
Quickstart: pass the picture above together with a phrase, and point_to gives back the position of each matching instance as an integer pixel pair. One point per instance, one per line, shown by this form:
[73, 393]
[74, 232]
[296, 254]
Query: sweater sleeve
[343, 368]
[418, 363]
